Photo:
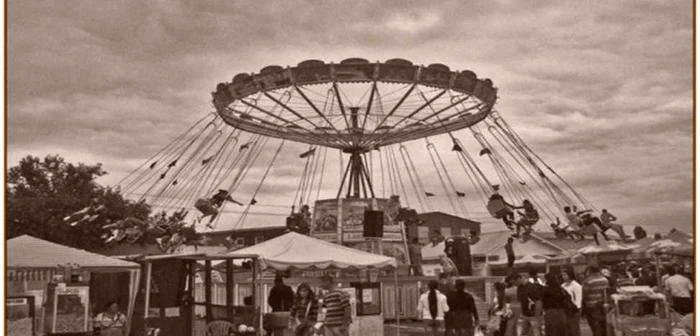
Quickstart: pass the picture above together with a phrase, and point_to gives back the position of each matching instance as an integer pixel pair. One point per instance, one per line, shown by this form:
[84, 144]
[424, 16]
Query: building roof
[491, 241]
[424, 216]
[30, 252]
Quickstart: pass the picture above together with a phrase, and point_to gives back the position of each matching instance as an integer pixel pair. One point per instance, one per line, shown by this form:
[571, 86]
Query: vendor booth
[55, 289]
[165, 303]
[293, 252]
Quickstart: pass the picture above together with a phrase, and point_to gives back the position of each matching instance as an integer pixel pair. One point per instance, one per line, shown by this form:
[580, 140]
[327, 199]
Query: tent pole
[658, 272]
[207, 291]
[396, 300]
[229, 288]
[147, 299]
[258, 268]
[134, 279]
[190, 295]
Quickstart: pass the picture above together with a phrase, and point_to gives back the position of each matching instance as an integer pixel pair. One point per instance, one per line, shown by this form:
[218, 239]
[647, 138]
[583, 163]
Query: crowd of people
[527, 306]
[522, 305]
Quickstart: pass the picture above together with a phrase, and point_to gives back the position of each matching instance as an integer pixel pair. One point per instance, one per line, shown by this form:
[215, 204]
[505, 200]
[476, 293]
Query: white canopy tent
[296, 251]
[27, 253]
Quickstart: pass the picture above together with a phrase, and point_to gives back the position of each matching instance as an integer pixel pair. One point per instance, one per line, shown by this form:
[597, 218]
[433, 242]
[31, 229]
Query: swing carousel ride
[375, 115]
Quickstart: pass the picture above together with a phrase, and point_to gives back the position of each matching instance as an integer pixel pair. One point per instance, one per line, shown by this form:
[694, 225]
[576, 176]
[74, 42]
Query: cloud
[601, 91]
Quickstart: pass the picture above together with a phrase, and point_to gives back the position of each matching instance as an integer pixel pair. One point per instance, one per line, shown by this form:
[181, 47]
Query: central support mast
[356, 173]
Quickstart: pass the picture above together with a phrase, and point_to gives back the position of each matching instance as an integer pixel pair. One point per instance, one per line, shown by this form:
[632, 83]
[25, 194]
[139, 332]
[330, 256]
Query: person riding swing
[210, 207]
[500, 209]
[528, 218]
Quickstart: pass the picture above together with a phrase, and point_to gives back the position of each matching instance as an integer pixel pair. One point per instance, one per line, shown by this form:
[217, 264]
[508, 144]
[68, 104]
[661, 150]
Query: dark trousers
[598, 327]
[555, 322]
[596, 320]
[573, 323]
[459, 323]
[682, 305]
[511, 261]
[502, 330]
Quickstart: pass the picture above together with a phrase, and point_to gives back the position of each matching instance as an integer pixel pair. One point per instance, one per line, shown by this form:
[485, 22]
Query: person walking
[595, 290]
[335, 309]
[432, 307]
[573, 314]
[500, 311]
[462, 310]
[680, 289]
[281, 297]
[511, 297]
[555, 300]
[530, 299]
[304, 313]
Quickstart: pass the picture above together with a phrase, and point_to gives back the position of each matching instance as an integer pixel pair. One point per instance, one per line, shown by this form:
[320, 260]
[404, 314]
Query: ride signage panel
[325, 220]
[352, 218]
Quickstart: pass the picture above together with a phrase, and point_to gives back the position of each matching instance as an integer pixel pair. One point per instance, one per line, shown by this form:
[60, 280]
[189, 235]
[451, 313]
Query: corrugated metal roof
[30, 252]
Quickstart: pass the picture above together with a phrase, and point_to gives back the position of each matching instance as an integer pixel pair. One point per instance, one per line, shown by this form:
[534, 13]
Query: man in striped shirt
[335, 309]
[595, 290]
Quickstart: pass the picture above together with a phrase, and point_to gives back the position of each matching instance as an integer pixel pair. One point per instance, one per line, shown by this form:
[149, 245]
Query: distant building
[446, 224]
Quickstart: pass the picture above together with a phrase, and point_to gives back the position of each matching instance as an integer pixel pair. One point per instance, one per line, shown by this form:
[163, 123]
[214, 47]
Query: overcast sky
[601, 90]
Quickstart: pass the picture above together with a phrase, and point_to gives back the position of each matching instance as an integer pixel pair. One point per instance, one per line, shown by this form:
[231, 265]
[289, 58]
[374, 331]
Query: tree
[41, 193]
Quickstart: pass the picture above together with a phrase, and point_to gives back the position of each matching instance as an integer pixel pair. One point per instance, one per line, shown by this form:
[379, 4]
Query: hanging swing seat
[498, 208]
[206, 207]
[590, 230]
[529, 219]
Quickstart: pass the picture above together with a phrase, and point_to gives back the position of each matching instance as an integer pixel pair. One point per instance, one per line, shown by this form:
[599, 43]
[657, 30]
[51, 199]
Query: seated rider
[576, 222]
[210, 207]
[559, 231]
[504, 212]
[300, 222]
[527, 219]
[588, 219]
[607, 220]
[573, 219]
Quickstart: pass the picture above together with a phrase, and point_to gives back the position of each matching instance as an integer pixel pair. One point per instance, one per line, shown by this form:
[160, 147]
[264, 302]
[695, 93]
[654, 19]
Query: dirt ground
[405, 329]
